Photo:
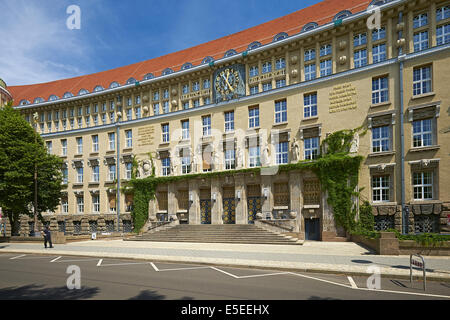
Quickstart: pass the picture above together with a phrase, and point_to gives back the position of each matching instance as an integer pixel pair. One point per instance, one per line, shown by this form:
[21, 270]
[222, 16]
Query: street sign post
[413, 261]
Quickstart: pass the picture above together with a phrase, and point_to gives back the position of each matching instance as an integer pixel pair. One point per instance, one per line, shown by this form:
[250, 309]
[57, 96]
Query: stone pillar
[172, 202]
[295, 189]
[194, 206]
[217, 205]
[328, 223]
[267, 204]
[241, 205]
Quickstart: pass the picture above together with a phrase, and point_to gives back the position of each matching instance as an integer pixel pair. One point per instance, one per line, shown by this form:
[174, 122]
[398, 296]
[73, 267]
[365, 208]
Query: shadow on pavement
[153, 295]
[321, 298]
[38, 292]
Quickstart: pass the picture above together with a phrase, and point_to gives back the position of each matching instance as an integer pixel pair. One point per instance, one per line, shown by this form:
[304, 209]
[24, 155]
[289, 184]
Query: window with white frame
[185, 105]
[156, 95]
[80, 122]
[206, 126]
[310, 54]
[422, 133]
[196, 86]
[311, 148]
[64, 147]
[206, 84]
[165, 132]
[380, 90]
[88, 121]
[280, 111]
[129, 114]
[196, 103]
[156, 109]
[229, 121]
[185, 89]
[64, 205]
[379, 53]
[442, 13]
[381, 139]
[423, 185]
[310, 105]
[79, 145]
[310, 72]
[112, 117]
[96, 203]
[253, 72]
[79, 174]
[95, 143]
[166, 94]
[443, 34]
[111, 172]
[128, 170]
[95, 118]
[280, 63]
[166, 106]
[267, 86]
[129, 101]
[49, 146]
[422, 80]
[165, 165]
[267, 67]
[206, 100]
[185, 163]
[129, 138]
[325, 50]
[253, 117]
[254, 89]
[421, 41]
[254, 157]
[325, 67]
[230, 159]
[65, 174]
[185, 129]
[420, 20]
[138, 112]
[379, 34]
[380, 188]
[95, 173]
[360, 39]
[112, 141]
[138, 99]
[282, 153]
[280, 83]
[360, 58]
[80, 204]
[104, 118]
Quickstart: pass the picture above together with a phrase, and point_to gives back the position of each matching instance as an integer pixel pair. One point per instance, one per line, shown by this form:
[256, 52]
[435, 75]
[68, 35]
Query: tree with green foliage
[22, 151]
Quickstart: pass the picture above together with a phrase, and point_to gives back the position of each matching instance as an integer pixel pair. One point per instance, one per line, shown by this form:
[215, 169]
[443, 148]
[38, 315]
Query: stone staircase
[225, 233]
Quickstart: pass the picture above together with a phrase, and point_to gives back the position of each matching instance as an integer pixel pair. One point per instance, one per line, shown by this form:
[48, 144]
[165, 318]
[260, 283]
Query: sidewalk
[327, 257]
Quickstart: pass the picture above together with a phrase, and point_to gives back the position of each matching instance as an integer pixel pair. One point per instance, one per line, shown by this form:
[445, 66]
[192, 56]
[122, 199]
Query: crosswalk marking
[56, 259]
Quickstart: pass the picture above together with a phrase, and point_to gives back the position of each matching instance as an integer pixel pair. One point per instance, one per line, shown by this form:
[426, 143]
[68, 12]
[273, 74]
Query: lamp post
[33, 232]
[118, 116]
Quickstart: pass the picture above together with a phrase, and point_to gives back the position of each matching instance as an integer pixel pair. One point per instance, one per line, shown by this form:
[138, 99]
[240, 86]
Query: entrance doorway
[205, 206]
[312, 229]
[229, 206]
[253, 202]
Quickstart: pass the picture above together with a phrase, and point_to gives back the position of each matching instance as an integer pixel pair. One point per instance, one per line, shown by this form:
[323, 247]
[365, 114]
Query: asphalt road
[29, 277]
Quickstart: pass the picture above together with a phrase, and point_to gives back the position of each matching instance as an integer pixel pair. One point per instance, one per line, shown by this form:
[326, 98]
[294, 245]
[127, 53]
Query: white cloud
[35, 43]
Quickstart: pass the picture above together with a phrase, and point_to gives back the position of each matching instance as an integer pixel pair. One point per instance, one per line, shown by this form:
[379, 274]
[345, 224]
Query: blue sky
[36, 46]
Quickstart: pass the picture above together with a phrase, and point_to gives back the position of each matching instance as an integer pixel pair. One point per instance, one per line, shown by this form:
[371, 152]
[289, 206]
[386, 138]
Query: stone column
[241, 205]
[267, 204]
[295, 188]
[172, 202]
[216, 206]
[194, 206]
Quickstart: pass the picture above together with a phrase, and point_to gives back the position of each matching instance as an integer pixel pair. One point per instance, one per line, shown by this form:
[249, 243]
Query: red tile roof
[321, 13]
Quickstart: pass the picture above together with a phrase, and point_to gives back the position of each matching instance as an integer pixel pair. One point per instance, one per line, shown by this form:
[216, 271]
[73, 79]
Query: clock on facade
[229, 83]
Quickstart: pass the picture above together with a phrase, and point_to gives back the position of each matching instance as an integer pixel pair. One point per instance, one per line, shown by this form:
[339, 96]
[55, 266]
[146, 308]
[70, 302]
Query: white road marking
[318, 279]
[188, 268]
[404, 292]
[123, 264]
[78, 260]
[56, 259]
[352, 282]
[227, 273]
[154, 267]
[262, 275]
[99, 262]
[17, 257]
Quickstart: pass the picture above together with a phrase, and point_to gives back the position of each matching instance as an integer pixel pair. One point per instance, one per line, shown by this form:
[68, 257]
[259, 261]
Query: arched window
[149, 76]
[114, 85]
[309, 26]
[230, 53]
[254, 45]
[207, 60]
[186, 66]
[24, 102]
[131, 81]
[83, 92]
[53, 98]
[67, 95]
[98, 88]
[38, 100]
[280, 36]
[167, 71]
[342, 15]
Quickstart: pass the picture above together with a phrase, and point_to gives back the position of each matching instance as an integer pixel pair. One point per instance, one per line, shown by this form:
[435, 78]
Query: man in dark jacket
[47, 237]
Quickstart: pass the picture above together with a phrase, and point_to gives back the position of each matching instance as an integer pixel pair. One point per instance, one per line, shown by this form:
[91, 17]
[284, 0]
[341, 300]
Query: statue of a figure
[296, 150]
[147, 167]
[266, 155]
[355, 143]
[240, 158]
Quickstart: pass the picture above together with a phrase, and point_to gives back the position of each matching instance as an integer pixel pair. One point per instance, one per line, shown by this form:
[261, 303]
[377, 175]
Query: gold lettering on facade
[196, 94]
[265, 76]
[145, 136]
[343, 97]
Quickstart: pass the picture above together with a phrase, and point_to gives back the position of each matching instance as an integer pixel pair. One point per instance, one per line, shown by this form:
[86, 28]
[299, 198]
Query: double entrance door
[205, 206]
[254, 202]
[229, 205]
[312, 229]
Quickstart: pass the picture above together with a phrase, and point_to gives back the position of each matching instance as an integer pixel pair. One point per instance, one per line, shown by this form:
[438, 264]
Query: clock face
[228, 84]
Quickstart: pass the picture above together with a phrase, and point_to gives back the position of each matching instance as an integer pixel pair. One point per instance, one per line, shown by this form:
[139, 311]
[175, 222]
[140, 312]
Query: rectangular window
[360, 58]
[112, 141]
[280, 63]
[138, 99]
[196, 86]
[166, 93]
[379, 53]
[166, 106]
[380, 189]
[80, 204]
[423, 185]
[138, 113]
[156, 95]
[443, 34]
[165, 132]
[95, 143]
[96, 203]
[267, 86]
[206, 101]
[206, 84]
[311, 148]
[111, 172]
[165, 164]
[185, 105]
[80, 122]
[325, 67]
[88, 121]
[79, 174]
[95, 120]
[49, 147]
[185, 89]
[422, 133]
[64, 147]
[266, 67]
[254, 90]
[196, 103]
[310, 54]
[128, 169]
[88, 110]
[381, 139]
[325, 50]
[420, 41]
[310, 105]
[156, 109]
[65, 174]
[129, 114]
[185, 129]
[310, 72]
[280, 111]
[206, 124]
[64, 205]
[443, 13]
[254, 157]
[112, 117]
[230, 157]
[282, 153]
[185, 164]
[360, 39]
[421, 80]
[281, 83]
[420, 20]
[95, 173]
[129, 101]
[80, 145]
[253, 72]
[56, 115]
[229, 121]
[104, 107]
[253, 117]
[380, 90]
[80, 111]
[378, 34]
[104, 118]
[129, 138]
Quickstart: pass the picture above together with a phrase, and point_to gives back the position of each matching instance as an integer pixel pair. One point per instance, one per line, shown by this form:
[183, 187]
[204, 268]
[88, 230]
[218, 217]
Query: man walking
[47, 237]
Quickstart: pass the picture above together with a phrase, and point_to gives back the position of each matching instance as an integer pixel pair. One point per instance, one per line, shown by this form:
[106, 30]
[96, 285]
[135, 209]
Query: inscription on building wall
[145, 136]
[343, 97]
[268, 75]
[205, 92]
